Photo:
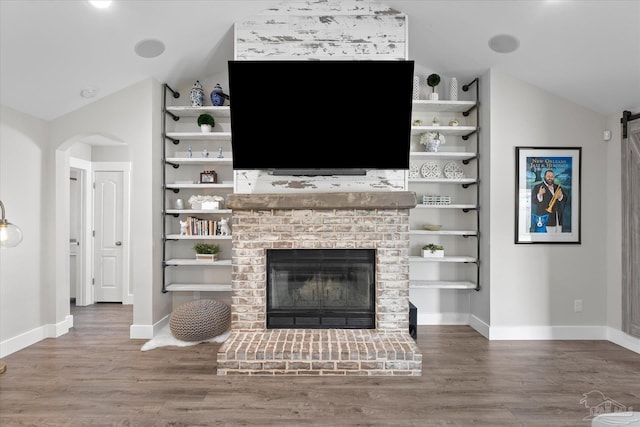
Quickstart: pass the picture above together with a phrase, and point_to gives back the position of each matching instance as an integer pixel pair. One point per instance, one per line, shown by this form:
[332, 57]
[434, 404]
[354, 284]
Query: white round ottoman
[627, 419]
[200, 320]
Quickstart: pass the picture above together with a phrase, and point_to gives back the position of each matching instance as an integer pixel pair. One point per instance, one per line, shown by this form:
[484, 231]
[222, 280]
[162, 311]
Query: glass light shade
[10, 234]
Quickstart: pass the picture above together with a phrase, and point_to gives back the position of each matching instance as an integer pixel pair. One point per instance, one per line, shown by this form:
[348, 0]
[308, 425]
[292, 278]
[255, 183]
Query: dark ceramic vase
[217, 96]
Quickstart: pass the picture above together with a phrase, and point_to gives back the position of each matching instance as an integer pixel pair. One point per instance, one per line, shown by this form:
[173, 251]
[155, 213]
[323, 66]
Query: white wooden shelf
[452, 258]
[458, 206]
[443, 232]
[440, 284]
[183, 111]
[443, 155]
[459, 148]
[428, 106]
[200, 160]
[445, 130]
[176, 261]
[444, 180]
[198, 287]
[201, 136]
[189, 237]
[198, 211]
[222, 185]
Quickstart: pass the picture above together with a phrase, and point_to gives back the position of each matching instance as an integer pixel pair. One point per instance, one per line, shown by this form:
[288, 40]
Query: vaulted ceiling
[585, 51]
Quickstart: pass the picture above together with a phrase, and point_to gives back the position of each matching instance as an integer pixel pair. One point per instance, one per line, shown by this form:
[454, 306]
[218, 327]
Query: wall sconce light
[10, 234]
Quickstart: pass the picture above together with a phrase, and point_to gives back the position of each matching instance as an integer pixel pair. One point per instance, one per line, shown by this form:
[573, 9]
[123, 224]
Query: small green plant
[206, 119]
[433, 80]
[433, 247]
[206, 248]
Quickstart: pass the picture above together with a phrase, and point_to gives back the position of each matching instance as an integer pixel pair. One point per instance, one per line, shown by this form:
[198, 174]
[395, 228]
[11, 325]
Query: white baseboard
[540, 332]
[480, 326]
[35, 335]
[624, 340]
[147, 331]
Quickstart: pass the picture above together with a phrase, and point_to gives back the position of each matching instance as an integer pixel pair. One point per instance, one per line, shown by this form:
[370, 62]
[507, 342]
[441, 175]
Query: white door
[109, 233]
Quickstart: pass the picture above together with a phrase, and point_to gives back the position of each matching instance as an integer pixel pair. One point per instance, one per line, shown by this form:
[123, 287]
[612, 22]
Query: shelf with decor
[199, 161]
[198, 171]
[199, 136]
[223, 185]
[446, 258]
[187, 111]
[445, 177]
[194, 262]
[198, 287]
[442, 284]
[441, 232]
[195, 237]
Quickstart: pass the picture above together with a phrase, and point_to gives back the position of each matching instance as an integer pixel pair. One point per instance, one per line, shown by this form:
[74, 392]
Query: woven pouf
[200, 320]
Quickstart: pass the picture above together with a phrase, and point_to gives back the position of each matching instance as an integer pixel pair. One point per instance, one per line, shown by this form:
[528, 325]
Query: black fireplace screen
[321, 288]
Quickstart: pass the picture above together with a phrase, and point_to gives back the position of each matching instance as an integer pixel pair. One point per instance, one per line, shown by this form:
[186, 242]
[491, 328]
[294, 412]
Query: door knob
[118, 243]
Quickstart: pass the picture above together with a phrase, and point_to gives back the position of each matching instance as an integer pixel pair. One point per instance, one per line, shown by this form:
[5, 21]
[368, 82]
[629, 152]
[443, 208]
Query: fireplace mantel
[343, 200]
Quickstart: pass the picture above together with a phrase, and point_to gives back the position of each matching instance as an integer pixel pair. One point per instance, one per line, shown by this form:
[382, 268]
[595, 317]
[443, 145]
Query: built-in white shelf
[198, 211]
[200, 160]
[176, 261]
[443, 232]
[198, 287]
[446, 258]
[440, 284]
[444, 130]
[428, 106]
[443, 155]
[183, 111]
[201, 136]
[222, 185]
[183, 237]
[452, 206]
[444, 180]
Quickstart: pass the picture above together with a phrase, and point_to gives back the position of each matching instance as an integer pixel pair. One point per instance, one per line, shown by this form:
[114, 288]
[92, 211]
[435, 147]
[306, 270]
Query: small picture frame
[208, 177]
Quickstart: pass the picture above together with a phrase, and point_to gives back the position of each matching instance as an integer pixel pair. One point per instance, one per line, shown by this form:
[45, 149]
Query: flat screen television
[321, 117]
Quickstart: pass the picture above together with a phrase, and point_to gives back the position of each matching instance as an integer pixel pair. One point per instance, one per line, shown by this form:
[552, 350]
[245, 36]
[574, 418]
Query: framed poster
[548, 194]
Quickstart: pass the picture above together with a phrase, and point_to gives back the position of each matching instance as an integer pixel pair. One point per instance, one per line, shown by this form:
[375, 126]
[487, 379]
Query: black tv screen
[298, 117]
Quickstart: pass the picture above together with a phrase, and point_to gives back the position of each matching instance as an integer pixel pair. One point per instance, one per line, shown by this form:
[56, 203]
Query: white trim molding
[147, 331]
[35, 335]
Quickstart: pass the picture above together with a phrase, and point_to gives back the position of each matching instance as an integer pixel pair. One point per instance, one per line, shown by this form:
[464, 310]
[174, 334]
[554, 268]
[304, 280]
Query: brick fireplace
[377, 221]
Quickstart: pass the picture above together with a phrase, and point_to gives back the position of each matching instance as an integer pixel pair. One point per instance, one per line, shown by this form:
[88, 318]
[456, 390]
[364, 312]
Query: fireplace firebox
[321, 288]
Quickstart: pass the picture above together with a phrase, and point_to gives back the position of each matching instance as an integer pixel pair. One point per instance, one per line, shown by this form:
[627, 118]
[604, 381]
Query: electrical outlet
[577, 306]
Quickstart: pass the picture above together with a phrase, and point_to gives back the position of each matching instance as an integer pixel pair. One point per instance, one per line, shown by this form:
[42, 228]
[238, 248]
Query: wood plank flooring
[96, 376]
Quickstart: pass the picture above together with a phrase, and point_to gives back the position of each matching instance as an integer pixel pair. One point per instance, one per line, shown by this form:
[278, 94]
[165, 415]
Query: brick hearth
[367, 220]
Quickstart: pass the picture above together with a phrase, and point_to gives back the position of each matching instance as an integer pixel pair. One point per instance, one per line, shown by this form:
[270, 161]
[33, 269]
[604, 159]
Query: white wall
[26, 287]
[133, 116]
[535, 285]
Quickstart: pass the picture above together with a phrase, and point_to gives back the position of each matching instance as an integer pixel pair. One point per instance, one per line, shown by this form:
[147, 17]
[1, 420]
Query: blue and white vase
[197, 95]
[217, 96]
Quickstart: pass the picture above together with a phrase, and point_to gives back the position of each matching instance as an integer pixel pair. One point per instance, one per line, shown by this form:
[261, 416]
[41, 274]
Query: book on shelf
[201, 227]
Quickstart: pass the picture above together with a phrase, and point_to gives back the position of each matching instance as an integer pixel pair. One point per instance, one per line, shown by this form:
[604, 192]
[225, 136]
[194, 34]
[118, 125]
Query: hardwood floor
[96, 376]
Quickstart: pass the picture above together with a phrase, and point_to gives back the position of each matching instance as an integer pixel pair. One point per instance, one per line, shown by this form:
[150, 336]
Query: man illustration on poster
[548, 200]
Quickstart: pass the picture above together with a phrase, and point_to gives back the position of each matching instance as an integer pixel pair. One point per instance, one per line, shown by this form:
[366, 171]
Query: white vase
[433, 146]
[433, 96]
[416, 87]
[453, 89]
[205, 128]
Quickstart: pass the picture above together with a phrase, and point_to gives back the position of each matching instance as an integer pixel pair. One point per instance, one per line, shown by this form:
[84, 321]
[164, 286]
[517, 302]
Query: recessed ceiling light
[100, 4]
[149, 48]
[504, 43]
[89, 92]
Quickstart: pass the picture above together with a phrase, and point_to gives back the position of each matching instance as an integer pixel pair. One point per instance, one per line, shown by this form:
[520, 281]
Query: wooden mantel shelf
[338, 200]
